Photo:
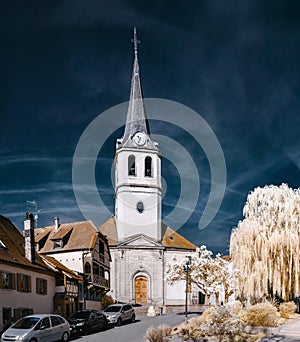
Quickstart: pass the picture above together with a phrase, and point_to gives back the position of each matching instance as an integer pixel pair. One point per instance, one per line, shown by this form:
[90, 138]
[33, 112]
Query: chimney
[29, 237]
[56, 223]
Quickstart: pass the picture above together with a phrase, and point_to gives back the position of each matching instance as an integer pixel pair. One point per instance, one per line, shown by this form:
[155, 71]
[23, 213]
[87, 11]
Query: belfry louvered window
[131, 166]
[148, 167]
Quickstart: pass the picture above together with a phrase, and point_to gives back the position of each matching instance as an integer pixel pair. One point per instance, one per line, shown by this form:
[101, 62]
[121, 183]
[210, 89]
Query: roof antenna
[33, 204]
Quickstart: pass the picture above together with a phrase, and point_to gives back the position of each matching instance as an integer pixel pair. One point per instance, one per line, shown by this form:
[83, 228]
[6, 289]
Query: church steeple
[136, 116]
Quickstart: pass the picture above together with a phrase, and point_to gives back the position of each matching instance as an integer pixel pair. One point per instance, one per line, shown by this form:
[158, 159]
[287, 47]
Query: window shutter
[17, 314]
[37, 288]
[1, 281]
[29, 283]
[13, 281]
[19, 288]
[46, 287]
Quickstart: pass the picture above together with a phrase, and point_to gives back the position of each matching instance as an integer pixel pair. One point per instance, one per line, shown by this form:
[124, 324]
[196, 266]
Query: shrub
[218, 322]
[191, 329]
[107, 300]
[287, 309]
[236, 307]
[262, 314]
[158, 334]
[222, 323]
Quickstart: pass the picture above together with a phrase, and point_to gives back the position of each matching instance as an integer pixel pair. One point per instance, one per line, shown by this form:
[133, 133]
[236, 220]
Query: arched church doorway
[141, 289]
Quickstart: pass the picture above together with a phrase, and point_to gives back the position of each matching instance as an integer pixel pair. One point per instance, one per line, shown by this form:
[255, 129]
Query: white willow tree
[265, 245]
[211, 275]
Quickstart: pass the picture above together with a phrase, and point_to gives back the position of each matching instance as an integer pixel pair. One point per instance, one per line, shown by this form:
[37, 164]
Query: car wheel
[87, 330]
[33, 340]
[119, 321]
[65, 337]
[133, 318]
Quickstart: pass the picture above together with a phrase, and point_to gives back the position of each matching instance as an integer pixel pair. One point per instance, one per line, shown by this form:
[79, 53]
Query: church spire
[136, 117]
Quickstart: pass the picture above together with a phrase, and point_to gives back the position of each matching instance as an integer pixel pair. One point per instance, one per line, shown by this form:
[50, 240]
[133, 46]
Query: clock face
[140, 138]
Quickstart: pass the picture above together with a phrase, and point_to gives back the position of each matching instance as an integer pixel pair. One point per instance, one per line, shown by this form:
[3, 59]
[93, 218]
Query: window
[45, 323]
[55, 320]
[7, 280]
[101, 247]
[22, 312]
[131, 166]
[6, 317]
[57, 244]
[87, 268]
[41, 286]
[24, 283]
[59, 280]
[148, 167]
[201, 298]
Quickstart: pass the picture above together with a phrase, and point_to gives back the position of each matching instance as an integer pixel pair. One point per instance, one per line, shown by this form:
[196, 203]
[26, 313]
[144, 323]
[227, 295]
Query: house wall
[14, 299]
[72, 260]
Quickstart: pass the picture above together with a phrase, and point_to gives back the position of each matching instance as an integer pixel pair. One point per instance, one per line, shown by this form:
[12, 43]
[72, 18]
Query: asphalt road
[132, 332]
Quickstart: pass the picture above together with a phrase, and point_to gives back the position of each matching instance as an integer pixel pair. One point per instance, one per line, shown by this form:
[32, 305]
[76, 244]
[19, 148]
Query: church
[141, 245]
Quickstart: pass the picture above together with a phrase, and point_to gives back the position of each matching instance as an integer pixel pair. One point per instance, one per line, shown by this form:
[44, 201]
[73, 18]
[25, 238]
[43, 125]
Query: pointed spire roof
[136, 116]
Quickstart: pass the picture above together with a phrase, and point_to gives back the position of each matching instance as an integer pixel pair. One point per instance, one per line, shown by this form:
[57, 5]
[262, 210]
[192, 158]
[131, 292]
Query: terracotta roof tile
[55, 264]
[170, 237]
[14, 251]
[109, 229]
[82, 235]
[173, 239]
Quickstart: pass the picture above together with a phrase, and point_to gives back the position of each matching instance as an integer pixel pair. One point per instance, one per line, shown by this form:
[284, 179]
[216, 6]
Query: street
[132, 332]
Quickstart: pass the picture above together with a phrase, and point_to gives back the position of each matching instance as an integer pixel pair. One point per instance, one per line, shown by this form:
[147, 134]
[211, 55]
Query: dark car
[86, 321]
[119, 313]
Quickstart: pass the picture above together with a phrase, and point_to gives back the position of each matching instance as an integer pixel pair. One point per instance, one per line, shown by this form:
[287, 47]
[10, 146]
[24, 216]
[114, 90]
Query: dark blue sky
[65, 62]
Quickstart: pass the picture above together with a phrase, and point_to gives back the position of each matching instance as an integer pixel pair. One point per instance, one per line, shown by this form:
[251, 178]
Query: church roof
[136, 115]
[75, 236]
[173, 239]
[170, 239]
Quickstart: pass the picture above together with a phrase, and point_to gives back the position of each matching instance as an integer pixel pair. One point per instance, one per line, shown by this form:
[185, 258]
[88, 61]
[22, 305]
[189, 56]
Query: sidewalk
[288, 332]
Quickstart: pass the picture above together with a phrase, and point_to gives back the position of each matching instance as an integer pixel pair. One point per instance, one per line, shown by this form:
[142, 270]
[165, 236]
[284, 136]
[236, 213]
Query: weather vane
[36, 210]
[135, 40]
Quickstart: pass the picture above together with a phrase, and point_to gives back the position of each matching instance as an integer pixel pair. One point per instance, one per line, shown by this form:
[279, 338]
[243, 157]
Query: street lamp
[186, 268]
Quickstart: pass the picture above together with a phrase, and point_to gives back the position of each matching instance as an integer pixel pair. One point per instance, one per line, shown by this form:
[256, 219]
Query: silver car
[38, 328]
[119, 313]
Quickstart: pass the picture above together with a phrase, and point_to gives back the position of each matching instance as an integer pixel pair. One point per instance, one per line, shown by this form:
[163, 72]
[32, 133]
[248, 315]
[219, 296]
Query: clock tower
[138, 190]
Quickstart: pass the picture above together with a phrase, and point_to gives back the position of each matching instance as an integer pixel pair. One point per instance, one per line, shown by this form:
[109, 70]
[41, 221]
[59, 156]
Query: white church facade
[141, 245]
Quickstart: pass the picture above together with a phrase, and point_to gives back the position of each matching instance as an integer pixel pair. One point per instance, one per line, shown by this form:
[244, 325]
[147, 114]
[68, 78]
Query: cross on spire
[135, 41]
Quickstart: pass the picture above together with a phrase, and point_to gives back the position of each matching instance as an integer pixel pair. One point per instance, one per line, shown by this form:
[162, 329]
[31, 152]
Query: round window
[140, 207]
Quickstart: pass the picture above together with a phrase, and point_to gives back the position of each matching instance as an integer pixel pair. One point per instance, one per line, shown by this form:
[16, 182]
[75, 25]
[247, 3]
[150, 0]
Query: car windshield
[26, 323]
[112, 309]
[80, 315]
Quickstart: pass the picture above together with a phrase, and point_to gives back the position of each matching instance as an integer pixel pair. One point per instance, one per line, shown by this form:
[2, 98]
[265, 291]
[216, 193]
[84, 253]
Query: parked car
[38, 328]
[86, 321]
[119, 313]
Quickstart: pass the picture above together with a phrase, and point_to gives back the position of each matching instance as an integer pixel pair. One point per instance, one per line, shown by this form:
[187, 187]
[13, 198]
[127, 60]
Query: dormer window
[131, 166]
[57, 244]
[148, 167]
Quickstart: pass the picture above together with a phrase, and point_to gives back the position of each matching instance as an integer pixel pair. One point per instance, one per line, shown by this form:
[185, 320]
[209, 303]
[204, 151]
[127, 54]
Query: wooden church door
[141, 290]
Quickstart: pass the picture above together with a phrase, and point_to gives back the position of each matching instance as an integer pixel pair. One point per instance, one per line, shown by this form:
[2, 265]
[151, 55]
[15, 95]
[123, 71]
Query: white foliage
[265, 245]
[211, 275]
